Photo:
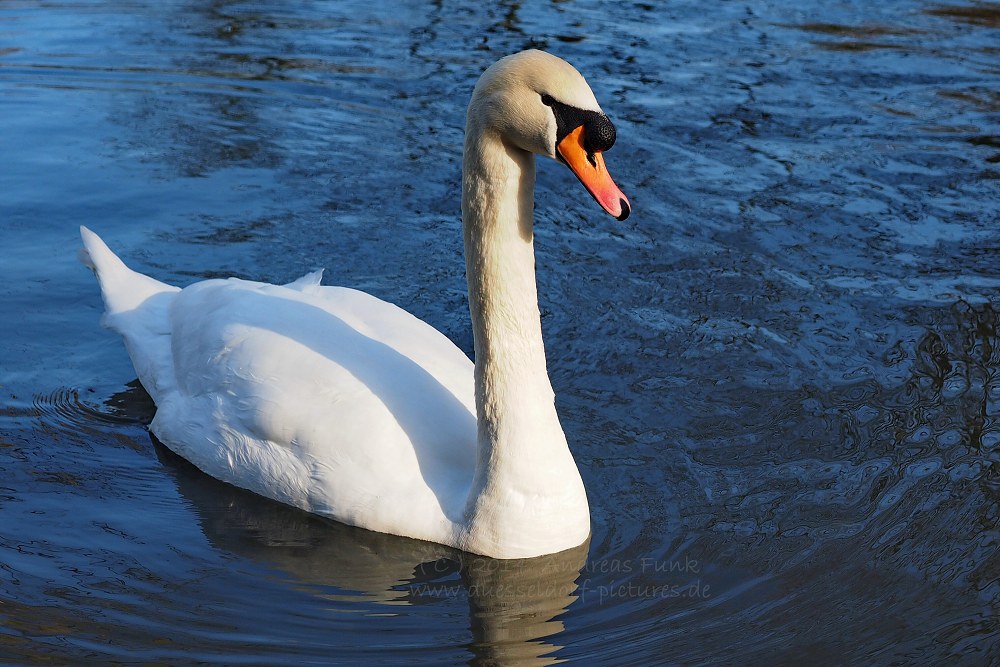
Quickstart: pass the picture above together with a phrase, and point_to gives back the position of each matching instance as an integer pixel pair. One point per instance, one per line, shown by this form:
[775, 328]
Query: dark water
[780, 377]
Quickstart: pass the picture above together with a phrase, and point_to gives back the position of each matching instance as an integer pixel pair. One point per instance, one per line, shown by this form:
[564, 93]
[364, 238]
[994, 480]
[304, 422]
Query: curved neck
[514, 398]
[522, 451]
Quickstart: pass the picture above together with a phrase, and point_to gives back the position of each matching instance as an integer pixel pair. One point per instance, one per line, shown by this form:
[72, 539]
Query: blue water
[780, 377]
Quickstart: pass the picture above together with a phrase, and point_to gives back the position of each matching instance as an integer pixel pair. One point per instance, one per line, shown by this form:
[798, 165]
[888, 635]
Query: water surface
[780, 377]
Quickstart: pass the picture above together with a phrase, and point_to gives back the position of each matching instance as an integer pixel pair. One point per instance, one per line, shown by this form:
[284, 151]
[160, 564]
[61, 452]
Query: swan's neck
[525, 474]
[513, 394]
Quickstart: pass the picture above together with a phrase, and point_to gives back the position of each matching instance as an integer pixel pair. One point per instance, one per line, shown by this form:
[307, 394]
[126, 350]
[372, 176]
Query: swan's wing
[398, 329]
[325, 398]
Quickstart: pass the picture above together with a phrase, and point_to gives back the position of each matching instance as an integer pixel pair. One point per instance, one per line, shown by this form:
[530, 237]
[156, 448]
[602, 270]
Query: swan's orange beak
[589, 168]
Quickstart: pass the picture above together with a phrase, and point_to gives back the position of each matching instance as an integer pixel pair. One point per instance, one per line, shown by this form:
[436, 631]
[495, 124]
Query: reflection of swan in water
[513, 604]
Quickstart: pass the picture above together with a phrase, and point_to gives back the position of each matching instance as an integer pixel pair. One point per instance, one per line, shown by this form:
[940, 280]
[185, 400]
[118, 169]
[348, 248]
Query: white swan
[331, 400]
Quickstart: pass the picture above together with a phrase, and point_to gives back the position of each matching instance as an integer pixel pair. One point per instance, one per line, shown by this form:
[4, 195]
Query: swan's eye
[547, 100]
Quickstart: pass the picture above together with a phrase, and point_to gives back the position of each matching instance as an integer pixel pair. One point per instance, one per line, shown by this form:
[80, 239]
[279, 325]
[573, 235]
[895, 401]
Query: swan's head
[541, 104]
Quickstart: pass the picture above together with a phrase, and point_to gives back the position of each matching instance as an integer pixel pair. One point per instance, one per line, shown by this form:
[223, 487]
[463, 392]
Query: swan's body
[341, 404]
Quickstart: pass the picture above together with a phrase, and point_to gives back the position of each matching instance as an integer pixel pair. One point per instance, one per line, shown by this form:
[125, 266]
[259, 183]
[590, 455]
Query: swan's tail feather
[122, 288]
[137, 307]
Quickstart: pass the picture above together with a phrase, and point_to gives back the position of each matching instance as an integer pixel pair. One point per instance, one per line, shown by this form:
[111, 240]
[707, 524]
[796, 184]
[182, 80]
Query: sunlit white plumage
[331, 400]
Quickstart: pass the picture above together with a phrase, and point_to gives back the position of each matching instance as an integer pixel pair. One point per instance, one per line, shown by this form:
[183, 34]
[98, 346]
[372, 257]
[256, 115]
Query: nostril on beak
[625, 209]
